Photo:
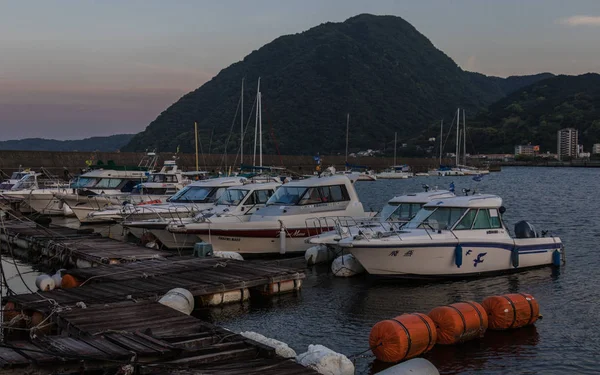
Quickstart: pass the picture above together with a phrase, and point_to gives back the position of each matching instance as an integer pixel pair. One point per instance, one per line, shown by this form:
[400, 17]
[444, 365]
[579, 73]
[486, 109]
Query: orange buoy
[511, 310]
[459, 322]
[403, 337]
[69, 281]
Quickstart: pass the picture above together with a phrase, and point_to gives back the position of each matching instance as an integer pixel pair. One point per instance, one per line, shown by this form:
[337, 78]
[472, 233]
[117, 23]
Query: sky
[71, 69]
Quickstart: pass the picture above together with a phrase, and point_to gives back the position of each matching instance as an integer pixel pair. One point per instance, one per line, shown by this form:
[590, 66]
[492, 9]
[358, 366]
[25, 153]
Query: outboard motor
[524, 229]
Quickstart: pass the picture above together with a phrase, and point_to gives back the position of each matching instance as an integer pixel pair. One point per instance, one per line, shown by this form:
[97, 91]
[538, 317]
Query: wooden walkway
[67, 247]
[150, 280]
[163, 340]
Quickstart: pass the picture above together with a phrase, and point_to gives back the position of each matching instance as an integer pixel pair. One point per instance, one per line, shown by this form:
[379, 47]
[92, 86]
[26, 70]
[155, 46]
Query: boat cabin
[241, 200]
[460, 213]
[404, 207]
[100, 180]
[206, 191]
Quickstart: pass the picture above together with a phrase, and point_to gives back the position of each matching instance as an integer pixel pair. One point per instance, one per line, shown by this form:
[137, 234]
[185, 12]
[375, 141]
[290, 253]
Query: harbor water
[339, 313]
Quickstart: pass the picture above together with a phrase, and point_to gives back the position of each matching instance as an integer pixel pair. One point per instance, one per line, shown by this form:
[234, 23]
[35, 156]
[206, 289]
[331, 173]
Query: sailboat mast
[457, 135]
[347, 127]
[256, 122]
[395, 142]
[464, 139]
[260, 127]
[242, 125]
[196, 133]
[441, 142]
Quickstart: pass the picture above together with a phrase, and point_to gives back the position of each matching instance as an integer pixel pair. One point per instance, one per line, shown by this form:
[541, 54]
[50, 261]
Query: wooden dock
[160, 339]
[151, 279]
[66, 247]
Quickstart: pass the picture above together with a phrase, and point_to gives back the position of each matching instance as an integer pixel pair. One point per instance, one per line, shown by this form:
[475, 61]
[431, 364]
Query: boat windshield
[399, 212]
[197, 194]
[232, 197]
[27, 182]
[84, 182]
[287, 195]
[163, 178]
[436, 218]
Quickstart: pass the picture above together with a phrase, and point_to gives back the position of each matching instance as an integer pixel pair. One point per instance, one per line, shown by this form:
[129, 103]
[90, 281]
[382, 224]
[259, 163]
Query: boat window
[262, 196]
[287, 195]
[467, 221]
[311, 196]
[157, 178]
[232, 197]
[6, 186]
[128, 186]
[108, 183]
[441, 218]
[84, 182]
[495, 218]
[419, 218]
[336, 193]
[482, 221]
[191, 194]
[216, 193]
[27, 182]
[387, 210]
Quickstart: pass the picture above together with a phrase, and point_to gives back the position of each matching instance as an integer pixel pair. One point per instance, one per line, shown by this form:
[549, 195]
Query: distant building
[596, 148]
[527, 150]
[567, 143]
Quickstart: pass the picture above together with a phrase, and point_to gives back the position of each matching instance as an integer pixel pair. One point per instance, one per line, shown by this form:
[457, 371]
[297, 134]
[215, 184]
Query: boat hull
[439, 260]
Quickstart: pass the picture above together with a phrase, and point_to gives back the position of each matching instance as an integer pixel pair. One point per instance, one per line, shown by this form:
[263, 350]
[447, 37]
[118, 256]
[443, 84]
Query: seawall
[74, 161]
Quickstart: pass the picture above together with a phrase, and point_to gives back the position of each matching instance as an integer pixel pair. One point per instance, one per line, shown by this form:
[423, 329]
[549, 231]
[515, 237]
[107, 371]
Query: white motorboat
[297, 210]
[162, 184]
[396, 172]
[455, 237]
[38, 193]
[397, 212]
[185, 203]
[7, 184]
[235, 205]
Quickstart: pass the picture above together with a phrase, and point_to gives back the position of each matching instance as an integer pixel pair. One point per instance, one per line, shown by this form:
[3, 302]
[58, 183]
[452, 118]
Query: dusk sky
[74, 69]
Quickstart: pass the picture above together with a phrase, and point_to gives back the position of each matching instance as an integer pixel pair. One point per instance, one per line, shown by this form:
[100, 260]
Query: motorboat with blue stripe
[455, 237]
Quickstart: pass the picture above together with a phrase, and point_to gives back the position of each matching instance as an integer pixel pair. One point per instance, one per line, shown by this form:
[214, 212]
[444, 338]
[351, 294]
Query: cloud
[580, 21]
[470, 65]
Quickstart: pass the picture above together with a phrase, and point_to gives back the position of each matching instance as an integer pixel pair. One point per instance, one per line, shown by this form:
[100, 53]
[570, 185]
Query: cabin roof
[321, 181]
[470, 201]
[423, 197]
[220, 181]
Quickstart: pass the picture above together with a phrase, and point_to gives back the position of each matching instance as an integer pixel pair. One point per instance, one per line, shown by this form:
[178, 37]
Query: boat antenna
[464, 139]
[457, 136]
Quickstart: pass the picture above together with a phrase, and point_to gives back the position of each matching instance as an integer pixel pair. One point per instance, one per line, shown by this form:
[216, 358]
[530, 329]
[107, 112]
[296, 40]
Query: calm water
[339, 313]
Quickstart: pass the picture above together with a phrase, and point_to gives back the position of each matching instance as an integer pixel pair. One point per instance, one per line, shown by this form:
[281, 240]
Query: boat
[298, 209]
[397, 212]
[185, 203]
[396, 171]
[7, 184]
[235, 205]
[37, 192]
[105, 185]
[453, 238]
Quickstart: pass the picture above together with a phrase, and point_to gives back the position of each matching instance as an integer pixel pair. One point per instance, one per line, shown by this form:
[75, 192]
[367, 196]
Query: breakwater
[73, 161]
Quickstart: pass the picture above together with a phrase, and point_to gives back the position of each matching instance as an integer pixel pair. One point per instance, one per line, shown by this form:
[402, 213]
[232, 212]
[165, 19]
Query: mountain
[380, 69]
[535, 113]
[107, 144]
